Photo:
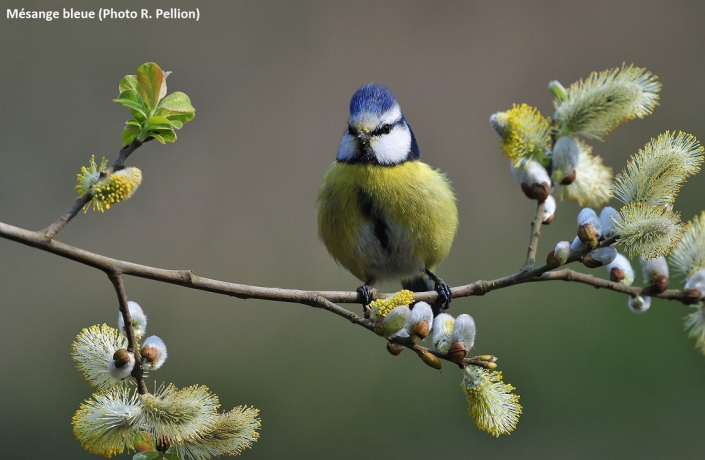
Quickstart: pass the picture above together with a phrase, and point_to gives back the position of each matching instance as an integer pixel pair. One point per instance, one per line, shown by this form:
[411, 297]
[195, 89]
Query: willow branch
[325, 300]
[319, 301]
[83, 200]
[116, 279]
[186, 278]
[534, 237]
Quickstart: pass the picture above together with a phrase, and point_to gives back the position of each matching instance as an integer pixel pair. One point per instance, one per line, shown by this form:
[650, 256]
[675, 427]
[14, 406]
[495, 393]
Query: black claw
[445, 295]
[364, 296]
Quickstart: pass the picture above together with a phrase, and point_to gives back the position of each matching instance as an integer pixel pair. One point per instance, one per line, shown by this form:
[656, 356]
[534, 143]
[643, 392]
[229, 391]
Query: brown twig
[186, 278]
[534, 237]
[116, 279]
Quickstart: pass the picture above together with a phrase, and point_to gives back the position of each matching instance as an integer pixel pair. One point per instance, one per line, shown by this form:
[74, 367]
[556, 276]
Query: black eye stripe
[386, 128]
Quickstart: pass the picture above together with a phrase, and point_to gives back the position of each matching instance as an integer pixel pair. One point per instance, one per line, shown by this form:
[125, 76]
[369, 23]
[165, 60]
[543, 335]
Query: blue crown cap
[372, 98]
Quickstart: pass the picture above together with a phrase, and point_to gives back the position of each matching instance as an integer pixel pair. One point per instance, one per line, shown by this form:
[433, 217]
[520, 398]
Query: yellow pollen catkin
[382, 307]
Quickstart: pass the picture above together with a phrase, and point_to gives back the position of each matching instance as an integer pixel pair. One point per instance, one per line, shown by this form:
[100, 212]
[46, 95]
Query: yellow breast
[416, 203]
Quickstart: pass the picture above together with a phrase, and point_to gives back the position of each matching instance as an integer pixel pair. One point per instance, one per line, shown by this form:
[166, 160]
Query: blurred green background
[234, 199]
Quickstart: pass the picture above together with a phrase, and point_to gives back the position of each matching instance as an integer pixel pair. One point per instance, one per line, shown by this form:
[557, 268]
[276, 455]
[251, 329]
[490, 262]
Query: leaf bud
[659, 283]
[121, 358]
[431, 360]
[694, 288]
[421, 329]
[559, 92]
[616, 275]
[587, 233]
[457, 353]
[587, 218]
[394, 349]
[691, 296]
[570, 178]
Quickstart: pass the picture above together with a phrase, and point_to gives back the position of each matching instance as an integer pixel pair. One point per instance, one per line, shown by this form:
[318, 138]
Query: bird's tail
[422, 283]
[418, 284]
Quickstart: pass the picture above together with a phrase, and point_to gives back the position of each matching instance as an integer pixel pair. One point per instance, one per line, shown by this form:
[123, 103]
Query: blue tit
[383, 213]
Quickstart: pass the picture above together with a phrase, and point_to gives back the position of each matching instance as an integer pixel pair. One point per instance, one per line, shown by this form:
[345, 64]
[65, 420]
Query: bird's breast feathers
[386, 221]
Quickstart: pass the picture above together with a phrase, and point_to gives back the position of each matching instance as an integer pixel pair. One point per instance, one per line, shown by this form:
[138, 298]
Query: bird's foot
[445, 295]
[364, 296]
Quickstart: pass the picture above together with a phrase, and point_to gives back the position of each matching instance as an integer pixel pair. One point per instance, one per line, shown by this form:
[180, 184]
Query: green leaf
[128, 82]
[177, 102]
[133, 101]
[147, 455]
[159, 138]
[152, 82]
[134, 122]
[181, 117]
[163, 135]
[130, 133]
[156, 123]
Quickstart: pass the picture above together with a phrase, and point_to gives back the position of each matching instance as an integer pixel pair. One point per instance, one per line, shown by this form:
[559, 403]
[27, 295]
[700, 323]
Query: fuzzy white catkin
[395, 322]
[605, 255]
[639, 304]
[697, 281]
[653, 267]
[562, 250]
[564, 158]
[607, 222]
[158, 344]
[139, 320]
[577, 245]
[464, 331]
[442, 332]
[530, 173]
[622, 263]
[549, 208]
[421, 311]
[119, 373]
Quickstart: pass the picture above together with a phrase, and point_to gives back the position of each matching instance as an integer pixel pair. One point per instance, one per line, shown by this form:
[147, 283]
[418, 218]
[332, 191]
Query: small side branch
[534, 237]
[116, 279]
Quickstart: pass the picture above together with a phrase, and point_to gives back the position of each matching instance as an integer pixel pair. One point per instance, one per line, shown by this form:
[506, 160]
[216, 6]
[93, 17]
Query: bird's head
[377, 132]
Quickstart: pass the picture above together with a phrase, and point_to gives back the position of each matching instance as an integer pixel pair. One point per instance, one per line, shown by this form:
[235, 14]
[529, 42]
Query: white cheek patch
[347, 149]
[394, 147]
